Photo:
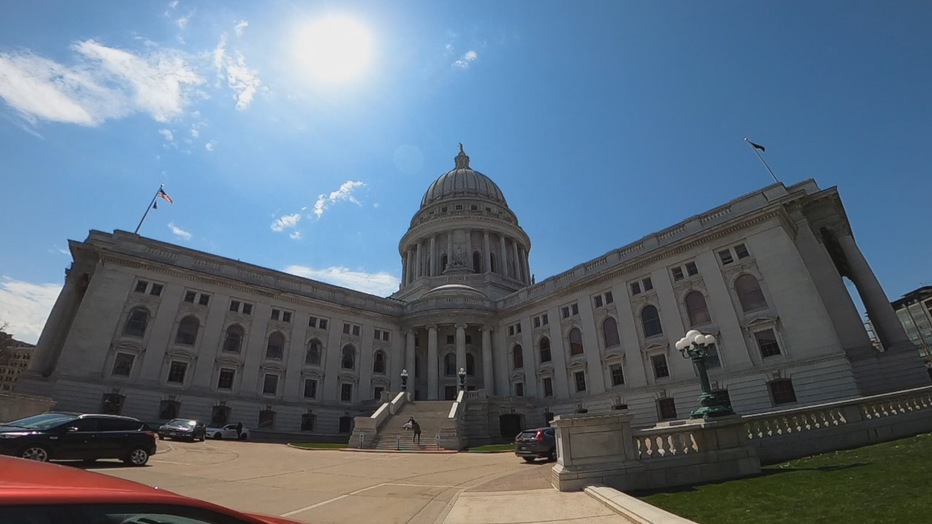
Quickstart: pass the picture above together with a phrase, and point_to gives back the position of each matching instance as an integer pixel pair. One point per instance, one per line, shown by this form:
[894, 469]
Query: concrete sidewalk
[539, 505]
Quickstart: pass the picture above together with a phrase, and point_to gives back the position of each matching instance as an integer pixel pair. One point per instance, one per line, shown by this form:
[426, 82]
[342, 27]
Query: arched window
[576, 347]
[234, 338]
[313, 353]
[476, 262]
[517, 355]
[749, 293]
[187, 330]
[470, 365]
[378, 364]
[136, 322]
[443, 262]
[610, 332]
[650, 319]
[349, 357]
[449, 365]
[545, 349]
[492, 263]
[276, 348]
[696, 309]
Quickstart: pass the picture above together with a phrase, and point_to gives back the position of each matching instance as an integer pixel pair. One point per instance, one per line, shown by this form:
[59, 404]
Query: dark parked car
[70, 436]
[532, 444]
[181, 428]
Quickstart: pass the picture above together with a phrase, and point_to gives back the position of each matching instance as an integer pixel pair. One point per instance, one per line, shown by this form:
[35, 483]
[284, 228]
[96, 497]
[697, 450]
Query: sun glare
[334, 49]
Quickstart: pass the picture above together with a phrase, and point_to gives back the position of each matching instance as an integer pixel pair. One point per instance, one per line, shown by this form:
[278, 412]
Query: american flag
[162, 194]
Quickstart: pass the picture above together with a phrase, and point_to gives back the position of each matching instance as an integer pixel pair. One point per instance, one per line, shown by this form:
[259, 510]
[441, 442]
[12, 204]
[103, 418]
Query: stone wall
[15, 406]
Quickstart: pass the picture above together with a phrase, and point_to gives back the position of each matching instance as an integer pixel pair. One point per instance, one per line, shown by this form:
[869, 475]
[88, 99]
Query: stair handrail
[397, 402]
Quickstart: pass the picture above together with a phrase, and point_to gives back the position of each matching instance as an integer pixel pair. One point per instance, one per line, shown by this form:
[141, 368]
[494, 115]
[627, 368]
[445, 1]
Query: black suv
[532, 444]
[182, 428]
[67, 436]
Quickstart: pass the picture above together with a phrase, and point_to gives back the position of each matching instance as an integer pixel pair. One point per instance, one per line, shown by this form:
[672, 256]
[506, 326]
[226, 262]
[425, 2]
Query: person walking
[239, 430]
[412, 424]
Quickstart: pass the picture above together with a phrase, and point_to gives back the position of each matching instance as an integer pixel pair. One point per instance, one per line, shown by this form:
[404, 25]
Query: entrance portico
[451, 345]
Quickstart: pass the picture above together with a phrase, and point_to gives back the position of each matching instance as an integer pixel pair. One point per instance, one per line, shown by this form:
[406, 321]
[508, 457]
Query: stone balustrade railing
[673, 441]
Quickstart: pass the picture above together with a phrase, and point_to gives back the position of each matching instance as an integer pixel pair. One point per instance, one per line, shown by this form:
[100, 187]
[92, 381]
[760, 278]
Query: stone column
[527, 265]
[432, 378]
[460, 349]
[410, 269]
[488, 372]
[888, 327]
[449, 250]
[488, 252]
[58, 324]
[517, 260]
[417, 265]
[503, 257]
[469, 248]
[409, 357]
[432, 270]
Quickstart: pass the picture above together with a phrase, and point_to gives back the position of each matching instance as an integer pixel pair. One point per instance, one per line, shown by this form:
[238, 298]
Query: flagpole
[756, 152]
[148, 209]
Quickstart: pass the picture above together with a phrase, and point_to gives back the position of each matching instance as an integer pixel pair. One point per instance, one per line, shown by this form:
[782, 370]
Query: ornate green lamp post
[695, 346]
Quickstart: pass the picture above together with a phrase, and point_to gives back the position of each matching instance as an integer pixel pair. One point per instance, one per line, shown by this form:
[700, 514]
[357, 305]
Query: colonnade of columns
[434, 360]
[425, 258]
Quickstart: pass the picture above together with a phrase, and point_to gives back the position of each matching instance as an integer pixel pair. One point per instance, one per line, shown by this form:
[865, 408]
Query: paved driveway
[346, 487]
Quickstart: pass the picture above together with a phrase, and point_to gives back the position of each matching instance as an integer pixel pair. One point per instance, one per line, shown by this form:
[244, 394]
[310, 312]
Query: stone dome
[462, 182]
[455, 290]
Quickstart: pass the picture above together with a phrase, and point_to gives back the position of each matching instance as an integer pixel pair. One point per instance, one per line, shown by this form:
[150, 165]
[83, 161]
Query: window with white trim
[659, 364]
[767, 343]
[666, 408]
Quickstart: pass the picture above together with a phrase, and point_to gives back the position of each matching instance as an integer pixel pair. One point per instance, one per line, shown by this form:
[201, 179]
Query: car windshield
[46, 421]
[528, 434]
[179, 422]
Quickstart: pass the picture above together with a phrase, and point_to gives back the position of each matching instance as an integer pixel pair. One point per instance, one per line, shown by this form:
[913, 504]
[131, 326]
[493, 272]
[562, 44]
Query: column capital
[460, 325]
[432, 327]
[488, 328]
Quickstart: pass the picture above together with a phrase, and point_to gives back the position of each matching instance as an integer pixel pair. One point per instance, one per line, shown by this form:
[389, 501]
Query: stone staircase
[429, 414]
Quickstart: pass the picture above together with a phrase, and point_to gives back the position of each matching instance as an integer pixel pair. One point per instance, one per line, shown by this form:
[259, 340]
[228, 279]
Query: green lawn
[890, 482]
[492, 447]
[320, 445]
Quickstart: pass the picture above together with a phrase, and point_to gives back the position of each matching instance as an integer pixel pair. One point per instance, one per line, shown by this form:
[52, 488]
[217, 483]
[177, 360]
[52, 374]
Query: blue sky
[601, 122]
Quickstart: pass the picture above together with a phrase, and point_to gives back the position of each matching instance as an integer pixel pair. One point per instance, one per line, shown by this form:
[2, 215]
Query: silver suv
[532, 444]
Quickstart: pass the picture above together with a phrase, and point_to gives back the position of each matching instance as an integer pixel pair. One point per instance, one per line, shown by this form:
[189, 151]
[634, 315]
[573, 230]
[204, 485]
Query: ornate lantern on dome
[695, 346]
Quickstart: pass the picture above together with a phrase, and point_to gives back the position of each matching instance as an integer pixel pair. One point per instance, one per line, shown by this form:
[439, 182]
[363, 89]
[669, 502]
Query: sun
[334, 49]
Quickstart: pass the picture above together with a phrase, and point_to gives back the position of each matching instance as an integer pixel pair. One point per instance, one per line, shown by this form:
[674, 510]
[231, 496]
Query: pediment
[657, 347]
[762, 321]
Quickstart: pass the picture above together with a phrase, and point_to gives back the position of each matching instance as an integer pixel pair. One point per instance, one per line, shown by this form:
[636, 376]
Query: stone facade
[14, 359]
[151, 329]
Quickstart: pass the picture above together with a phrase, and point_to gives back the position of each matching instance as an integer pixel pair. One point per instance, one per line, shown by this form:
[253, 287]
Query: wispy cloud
[173, 4]
[179, 232]
[210, 145]
[244, 81]
[344, 193]
[286, 222]
[381, 284]
[106, 83]
[183, 21]
[296, 235]
[195, 133]
[25, 307]
[240, 27]
[464, 62]
[167, 134]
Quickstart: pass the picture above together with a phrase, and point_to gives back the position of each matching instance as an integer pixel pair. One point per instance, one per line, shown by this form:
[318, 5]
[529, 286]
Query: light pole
[462, 375]
[695, 346]
[404, 379]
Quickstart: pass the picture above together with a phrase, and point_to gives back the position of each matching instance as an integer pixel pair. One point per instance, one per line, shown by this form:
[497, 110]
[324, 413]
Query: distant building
[915, 313]
[155, 330]
[14, 359]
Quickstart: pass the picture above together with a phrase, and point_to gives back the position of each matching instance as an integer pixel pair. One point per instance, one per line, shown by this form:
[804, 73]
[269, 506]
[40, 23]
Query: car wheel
[528, 459]
[137, 457]
[218, 436]
[37, 453]
[553, 455]
[243, 436]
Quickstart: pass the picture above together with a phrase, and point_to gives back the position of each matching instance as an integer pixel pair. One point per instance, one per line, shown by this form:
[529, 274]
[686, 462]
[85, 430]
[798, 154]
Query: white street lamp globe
[681, 344]
[709, 340]
[698, 338]
[691, 334]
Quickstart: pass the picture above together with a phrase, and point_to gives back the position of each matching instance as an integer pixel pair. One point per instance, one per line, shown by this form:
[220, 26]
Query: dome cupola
[463, 181]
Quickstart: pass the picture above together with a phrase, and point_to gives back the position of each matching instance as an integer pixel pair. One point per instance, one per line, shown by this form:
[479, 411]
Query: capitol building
[155, 330]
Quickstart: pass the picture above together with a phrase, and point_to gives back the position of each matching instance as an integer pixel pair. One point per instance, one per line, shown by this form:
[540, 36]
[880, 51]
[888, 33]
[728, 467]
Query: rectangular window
[310, 388]
[356, 331]
[536, 322]
[580, 379]
[225, 381]
[635, 288]
[598, 301]
[648, 284]
[177, 371]
[678, 273]
[511, 330]
[190, 296]
[247, 309]
[469, 337]
[123, 364]
[276, 314]
[725, 257]
[322, 324]
[545, 321]
[270, 385]
[156, 290]
[741, 251]
[517, 328]
[548, 387]
[608, 297]
[307, 421]
[266, 419]
[286, 316]
[141, 286]
[767, 342]
[377, 392]
[385, 336]
[449, 339]
[782, 391]
[346, 392]
[667, 408]
[659, 362]
[312, 322]
[205, 299]
[721, 395]
[691, 269]
[566, 312]
[519, 389]
[377, 334]
[575, 308]
[618, 375]
[234, 306]
[713, 360]
[346, 329]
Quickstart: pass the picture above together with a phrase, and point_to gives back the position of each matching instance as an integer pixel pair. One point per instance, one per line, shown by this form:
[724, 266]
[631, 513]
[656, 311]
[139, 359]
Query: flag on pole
[155, 205]
[756, 146]
[163, 195]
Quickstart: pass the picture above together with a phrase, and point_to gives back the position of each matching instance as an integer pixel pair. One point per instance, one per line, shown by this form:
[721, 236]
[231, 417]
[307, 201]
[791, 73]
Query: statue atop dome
[462, 161]
[461, 149]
